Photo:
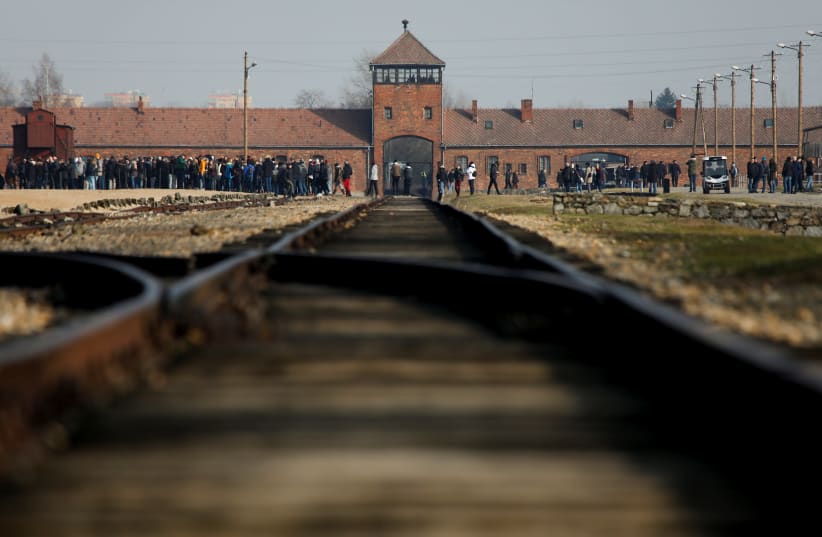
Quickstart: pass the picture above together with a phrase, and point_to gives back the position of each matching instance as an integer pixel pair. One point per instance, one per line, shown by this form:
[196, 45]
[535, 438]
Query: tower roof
[407, 50]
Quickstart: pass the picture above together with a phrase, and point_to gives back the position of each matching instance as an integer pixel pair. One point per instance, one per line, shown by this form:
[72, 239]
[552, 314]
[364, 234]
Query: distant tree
[8, 93]
[450, 101]
[665, 100]
[312, 99]
[46, 85]
[357, 90]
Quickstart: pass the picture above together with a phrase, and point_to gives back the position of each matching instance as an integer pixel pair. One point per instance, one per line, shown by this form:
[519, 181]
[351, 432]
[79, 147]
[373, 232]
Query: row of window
[543, 163]
[407, 75]
[427, 112]
[668, 123]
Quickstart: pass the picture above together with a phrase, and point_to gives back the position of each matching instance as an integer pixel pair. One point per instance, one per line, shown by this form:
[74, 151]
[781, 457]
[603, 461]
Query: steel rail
[112, 337]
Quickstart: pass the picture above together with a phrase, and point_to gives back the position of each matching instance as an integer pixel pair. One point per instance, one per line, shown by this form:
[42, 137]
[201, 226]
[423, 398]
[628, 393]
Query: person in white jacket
[373, 181]
[470, 175]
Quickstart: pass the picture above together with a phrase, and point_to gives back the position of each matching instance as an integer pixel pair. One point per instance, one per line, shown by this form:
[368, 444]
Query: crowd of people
[797, 175]
[205, 172]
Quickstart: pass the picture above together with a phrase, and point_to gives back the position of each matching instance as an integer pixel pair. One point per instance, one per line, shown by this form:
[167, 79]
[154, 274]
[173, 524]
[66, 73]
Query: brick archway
[416, 152]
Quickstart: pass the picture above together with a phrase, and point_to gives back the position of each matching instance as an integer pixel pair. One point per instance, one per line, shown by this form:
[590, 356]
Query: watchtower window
[410, 74]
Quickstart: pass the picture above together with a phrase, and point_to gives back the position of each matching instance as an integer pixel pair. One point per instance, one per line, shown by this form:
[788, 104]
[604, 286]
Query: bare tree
[357, 91]
[8, 93]
[452, 101]
[312, 99]
[46, 85]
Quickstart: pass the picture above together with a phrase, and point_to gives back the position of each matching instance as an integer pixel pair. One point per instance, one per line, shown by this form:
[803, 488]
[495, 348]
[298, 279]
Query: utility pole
[246, 68]
[716, 119]
[753, 81]
[773, 104]
[798, 48]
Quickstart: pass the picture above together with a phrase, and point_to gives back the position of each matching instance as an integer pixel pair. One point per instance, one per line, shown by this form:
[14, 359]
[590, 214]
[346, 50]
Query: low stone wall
[787, 220]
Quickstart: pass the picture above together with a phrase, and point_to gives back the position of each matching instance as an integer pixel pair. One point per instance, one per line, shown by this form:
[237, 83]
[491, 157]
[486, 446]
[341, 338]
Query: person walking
[347, 173]
[675, 170]
[458, 177]
[442, 181]
[373, 181]
[492, 178]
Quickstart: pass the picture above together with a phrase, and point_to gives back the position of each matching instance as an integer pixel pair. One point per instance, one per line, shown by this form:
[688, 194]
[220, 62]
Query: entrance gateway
[415, 152]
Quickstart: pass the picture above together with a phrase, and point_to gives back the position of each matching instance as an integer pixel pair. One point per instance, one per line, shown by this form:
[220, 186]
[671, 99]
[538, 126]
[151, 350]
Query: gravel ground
[786, 315]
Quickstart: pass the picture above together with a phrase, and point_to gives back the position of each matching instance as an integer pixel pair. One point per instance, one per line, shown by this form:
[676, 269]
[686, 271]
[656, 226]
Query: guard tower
[408, 115]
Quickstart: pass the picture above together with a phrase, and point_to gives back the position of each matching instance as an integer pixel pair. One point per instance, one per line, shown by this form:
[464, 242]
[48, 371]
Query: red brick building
[408, 123]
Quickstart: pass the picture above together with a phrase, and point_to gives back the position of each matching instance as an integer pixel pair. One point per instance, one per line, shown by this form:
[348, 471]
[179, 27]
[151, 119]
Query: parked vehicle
[715, 174]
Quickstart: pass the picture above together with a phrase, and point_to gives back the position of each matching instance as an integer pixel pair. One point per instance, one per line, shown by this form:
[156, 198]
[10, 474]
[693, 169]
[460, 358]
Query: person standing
[787, 170]
[373, 181]
[508, 185]
[692, 174]
[471, 175]
[542, 179]
[798, 173]
[396, 173]
[652, 176]
[599, 176]
[772, 179]
[11, 174]
[589, 176]
[492, 178]
[407, 177]
[809, 171]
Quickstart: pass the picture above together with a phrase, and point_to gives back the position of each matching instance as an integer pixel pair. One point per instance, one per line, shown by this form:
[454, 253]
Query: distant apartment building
[128, 99]
[68, 100]
[227, 100]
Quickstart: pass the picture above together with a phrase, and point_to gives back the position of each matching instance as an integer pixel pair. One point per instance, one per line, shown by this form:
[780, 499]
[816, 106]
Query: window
[545, 164]
[428, 112]
[668, 123]
[769, 123]
[462, 162]
[491, 161]
[489, 124]
[407, 75]
[577, 123]
[509, 168]
[281, 158]
[523, 169]
[388, 113]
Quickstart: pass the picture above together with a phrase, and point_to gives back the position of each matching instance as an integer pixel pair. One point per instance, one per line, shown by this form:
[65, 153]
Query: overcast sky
[581, 53]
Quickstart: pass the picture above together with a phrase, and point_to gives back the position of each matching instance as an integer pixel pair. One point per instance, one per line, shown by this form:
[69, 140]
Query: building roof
[554, 127]
[407, 50]
[345, 128]
[206, 127]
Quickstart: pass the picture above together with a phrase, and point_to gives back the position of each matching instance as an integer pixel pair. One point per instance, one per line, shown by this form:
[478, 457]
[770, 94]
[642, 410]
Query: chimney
[527, 111]
[140, 105]
[679, 109]
[37, 104]
[631, 110]
[474, 111]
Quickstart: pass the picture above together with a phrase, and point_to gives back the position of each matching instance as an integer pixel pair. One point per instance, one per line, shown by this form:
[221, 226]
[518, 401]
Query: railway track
[403, 369]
